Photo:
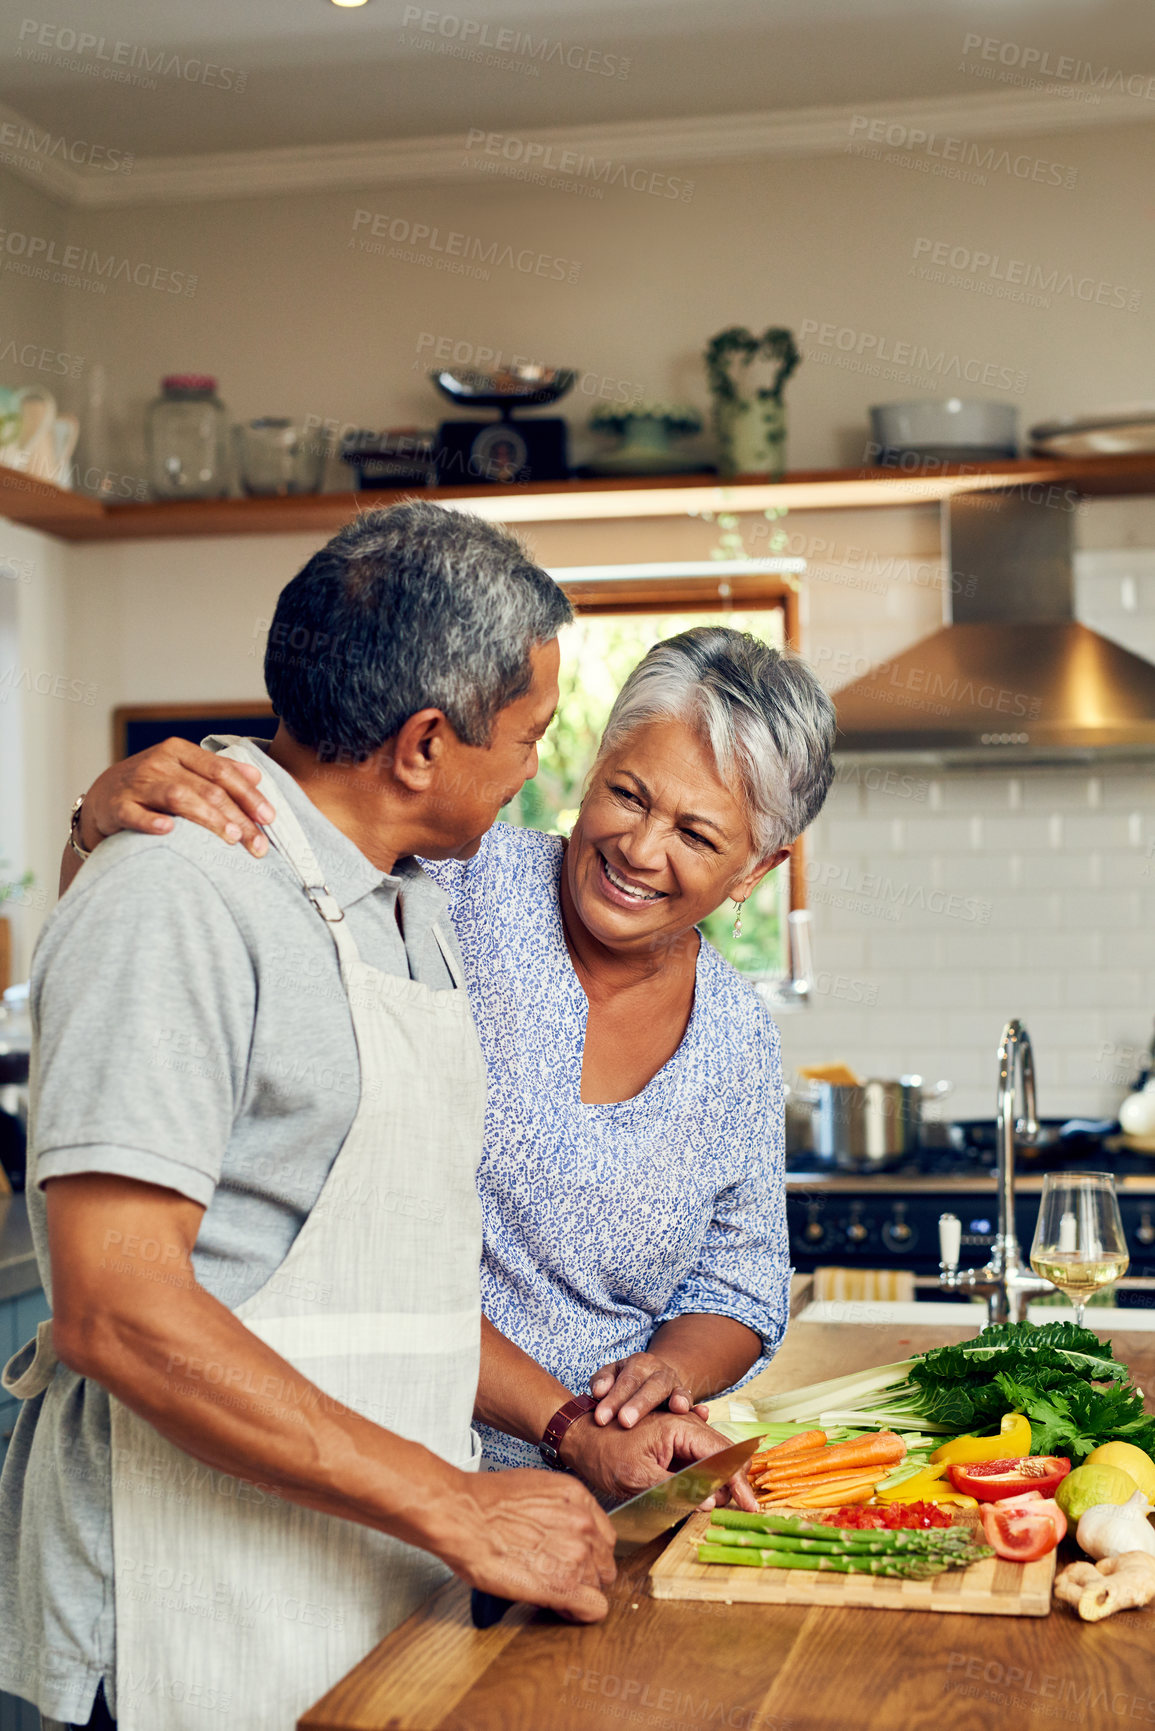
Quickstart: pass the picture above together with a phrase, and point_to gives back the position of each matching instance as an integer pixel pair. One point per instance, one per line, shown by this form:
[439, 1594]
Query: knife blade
[645, 1516]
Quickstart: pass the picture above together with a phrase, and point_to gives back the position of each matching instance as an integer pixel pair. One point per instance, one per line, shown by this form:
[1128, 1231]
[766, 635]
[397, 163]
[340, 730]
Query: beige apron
[233, 1607]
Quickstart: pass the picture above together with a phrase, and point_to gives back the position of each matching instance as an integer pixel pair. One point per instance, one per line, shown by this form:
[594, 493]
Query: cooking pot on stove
[871, 1126]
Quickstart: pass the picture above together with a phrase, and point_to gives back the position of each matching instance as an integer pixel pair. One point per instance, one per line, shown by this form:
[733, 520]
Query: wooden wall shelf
[75, 518]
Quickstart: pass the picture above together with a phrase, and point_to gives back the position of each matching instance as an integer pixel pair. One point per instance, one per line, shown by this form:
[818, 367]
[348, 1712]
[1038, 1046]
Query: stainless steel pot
[868, 1128]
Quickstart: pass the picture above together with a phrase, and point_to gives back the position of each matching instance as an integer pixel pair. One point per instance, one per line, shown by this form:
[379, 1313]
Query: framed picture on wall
[136, 726]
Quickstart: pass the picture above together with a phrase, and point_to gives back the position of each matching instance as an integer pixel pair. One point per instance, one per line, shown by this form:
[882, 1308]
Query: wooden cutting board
[991, 1588]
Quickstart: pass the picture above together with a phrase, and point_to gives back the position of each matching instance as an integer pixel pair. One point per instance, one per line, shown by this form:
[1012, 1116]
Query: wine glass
[1079, 1244]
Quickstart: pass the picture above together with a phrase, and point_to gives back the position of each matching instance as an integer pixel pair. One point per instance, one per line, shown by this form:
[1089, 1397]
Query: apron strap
[449, 956]
[29, 1371]
[292, 844]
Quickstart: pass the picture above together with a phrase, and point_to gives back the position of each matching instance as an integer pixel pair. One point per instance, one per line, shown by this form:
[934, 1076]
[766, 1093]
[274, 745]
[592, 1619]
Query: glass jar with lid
[187, 439]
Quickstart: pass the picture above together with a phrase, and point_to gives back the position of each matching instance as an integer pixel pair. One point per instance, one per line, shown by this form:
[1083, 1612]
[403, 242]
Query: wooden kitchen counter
[669, 1666]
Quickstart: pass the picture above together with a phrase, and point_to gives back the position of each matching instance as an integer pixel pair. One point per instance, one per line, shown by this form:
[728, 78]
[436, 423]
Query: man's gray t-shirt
[192, 1031]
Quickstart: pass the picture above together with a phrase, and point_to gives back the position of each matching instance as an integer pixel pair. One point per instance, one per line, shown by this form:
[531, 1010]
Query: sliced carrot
[819, 1487]
[805, 1440]
[829, 1495]
[883, 1449]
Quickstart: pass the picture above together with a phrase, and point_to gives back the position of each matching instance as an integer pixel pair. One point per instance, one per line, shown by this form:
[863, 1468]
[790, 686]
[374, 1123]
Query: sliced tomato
[1022, 1532]
[993, 1481]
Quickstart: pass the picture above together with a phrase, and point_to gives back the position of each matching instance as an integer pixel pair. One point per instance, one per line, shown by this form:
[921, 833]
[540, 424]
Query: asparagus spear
[877, 1544]
[912, 1568]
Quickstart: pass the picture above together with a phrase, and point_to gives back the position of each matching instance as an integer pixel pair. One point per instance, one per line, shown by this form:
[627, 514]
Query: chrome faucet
[1007, 1281]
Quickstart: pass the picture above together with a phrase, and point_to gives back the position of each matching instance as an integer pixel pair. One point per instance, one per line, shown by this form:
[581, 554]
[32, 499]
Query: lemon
[1131, 1459]
[1088, 1486]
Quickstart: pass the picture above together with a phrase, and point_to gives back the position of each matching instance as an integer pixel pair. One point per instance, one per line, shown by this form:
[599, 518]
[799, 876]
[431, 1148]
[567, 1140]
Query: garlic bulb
[1109, 1529]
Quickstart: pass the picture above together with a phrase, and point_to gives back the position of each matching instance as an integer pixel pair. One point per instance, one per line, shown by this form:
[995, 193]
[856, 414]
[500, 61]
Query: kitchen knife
[647, 1515]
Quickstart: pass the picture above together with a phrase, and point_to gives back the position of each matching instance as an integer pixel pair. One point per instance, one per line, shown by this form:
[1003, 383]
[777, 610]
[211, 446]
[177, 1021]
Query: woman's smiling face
[660, 841]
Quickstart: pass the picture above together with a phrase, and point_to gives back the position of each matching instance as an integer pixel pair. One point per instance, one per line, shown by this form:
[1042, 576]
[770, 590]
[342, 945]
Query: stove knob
[897, 1234]
[857, 1232]
[1145, 1232]
[814, 1232]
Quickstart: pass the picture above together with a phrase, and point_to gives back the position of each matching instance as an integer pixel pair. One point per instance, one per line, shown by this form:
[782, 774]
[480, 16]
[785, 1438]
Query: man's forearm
[710, 1352]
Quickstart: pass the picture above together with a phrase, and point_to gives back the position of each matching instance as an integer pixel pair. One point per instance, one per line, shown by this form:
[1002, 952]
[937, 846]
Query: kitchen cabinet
[756, 1668]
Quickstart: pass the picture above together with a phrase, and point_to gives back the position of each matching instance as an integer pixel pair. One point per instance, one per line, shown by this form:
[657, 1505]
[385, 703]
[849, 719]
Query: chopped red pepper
[890, 1518]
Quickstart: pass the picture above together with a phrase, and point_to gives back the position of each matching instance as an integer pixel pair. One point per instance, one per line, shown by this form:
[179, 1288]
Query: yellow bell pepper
[1012, 1443]
[929, 1486]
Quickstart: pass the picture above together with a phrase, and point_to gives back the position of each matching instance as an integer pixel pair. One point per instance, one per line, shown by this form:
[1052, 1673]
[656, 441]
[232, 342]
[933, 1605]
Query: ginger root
[1097, 1590]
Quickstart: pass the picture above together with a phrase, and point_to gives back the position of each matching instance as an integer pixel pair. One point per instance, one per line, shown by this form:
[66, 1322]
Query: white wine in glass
[1079, 1244]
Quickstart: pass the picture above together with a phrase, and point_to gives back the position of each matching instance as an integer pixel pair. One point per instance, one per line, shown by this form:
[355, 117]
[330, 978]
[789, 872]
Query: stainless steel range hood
[1012, 677]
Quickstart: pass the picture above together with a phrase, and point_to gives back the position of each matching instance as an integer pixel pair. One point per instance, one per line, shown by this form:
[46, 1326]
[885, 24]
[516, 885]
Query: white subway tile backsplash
[963, 897]
[937, 834]
[1105, 988]
[982, 949]
[1040, 985]
[1020, 832]
[1025, 912]
[914, 952]
[1062, 870]
[1079, 949]
[1135, 949]
[962, 791]
[1106, 829]
[1102, 911]
[960, 987]
[1051, 790]
[851, 837]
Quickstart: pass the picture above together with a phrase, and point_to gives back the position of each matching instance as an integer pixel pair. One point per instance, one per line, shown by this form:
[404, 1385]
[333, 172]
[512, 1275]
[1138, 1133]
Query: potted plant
[750, 416]
[644, 431]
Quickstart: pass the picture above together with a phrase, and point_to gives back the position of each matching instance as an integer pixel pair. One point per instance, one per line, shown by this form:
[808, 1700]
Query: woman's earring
[737, 930]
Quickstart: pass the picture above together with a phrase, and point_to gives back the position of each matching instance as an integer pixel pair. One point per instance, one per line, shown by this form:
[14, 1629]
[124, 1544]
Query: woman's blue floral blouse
[603, 1222]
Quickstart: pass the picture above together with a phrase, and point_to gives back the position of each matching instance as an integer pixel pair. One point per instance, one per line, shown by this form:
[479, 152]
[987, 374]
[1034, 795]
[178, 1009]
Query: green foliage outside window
[598, 651]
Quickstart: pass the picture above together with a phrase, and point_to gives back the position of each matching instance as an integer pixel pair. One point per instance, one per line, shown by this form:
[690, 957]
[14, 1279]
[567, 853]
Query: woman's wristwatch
[555, 1430]
[74, 841]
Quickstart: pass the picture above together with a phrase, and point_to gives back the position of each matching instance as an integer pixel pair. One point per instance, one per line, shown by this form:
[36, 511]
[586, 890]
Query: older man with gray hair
[245, 1450]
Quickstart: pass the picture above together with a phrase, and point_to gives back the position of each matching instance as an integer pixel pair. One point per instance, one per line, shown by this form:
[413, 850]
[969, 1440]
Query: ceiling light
[347, 2]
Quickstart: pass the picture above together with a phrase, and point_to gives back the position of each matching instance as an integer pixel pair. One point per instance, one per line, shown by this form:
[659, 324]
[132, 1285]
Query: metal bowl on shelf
[524, 387]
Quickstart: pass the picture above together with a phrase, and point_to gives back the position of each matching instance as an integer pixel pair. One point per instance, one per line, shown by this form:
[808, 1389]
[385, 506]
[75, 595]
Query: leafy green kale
[1048, 1372]
[1019, 1348]
[1075, 1419]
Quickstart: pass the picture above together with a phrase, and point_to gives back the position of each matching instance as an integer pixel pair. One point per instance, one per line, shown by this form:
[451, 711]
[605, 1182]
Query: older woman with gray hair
[633, 1180]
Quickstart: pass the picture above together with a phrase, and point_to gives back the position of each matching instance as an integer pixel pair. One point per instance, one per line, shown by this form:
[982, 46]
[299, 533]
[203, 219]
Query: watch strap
[555, 1430]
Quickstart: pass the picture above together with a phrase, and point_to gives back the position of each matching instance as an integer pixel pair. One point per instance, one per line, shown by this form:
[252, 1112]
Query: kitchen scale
[504, 451]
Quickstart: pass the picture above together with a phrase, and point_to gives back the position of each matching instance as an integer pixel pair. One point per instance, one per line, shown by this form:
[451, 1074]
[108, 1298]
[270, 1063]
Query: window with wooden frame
[622, 610]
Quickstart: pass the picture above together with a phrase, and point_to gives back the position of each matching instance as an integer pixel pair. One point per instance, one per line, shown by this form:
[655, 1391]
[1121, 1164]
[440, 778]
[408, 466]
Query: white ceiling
[315, 74]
